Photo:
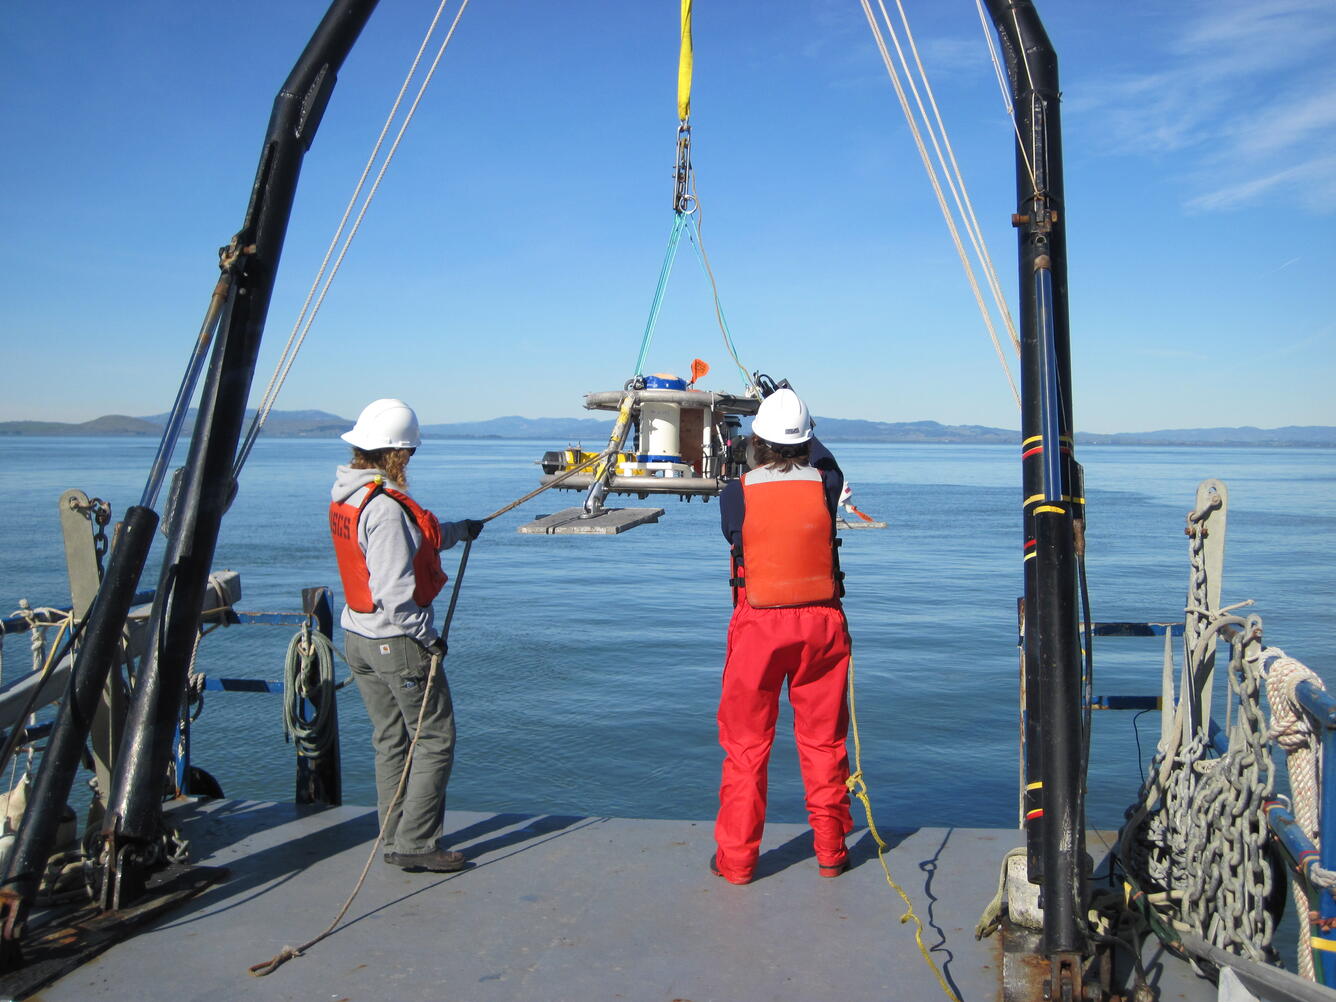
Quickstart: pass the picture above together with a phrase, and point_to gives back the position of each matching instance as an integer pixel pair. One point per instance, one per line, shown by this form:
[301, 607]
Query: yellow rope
[858, 788]
[64, 623]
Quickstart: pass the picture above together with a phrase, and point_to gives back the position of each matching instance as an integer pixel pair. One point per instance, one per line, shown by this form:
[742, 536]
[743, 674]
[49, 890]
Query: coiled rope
[1293, 730]
[308, 680]
[858, 787]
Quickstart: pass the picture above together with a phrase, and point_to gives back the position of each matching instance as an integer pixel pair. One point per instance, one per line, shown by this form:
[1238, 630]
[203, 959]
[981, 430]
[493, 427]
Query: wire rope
[698, 245]
[955, 177]
[1004, 86]
[295, 340]
[933, 179]
[669, 255]
[357, 190]
[686, 213]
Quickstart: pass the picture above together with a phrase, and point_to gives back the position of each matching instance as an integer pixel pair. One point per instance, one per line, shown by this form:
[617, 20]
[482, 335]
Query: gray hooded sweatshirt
[389, 537]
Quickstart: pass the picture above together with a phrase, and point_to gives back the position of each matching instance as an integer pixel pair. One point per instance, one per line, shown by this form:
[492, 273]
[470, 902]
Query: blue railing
[319, 618]
[21, 624]
[309, 789]
[1131, 630]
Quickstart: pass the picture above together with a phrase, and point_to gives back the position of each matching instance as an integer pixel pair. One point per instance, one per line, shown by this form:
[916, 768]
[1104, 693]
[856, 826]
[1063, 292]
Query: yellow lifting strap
[684, 65]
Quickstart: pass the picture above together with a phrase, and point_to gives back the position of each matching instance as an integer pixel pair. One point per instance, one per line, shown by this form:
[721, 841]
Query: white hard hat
[384, 424]
[782, 418]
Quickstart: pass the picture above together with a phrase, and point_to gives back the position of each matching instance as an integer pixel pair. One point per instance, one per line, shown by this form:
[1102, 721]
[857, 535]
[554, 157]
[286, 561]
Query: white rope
[955, 178]
[1292, 729]
[1005, 86]
[40, 619]
[36, 638]
[914, 129]
[1025, 59]
[375, 152]
[1002, 83]
[305, 320]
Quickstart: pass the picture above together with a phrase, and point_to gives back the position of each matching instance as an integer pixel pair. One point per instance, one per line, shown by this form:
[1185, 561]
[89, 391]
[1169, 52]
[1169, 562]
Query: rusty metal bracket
[60, 941]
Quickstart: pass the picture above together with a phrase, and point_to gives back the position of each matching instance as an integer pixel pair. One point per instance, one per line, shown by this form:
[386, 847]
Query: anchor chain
[1195, 841]
[98, 512]
[1229, 878]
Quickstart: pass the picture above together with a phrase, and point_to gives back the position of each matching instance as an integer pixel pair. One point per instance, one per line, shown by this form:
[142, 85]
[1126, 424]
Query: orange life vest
[428, 575]
[788, 539]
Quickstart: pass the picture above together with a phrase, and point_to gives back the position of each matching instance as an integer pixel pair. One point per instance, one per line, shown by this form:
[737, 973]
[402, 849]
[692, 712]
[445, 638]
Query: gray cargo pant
[391, 673]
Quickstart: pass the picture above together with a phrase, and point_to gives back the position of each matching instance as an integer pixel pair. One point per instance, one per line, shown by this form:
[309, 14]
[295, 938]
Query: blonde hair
[392, 462]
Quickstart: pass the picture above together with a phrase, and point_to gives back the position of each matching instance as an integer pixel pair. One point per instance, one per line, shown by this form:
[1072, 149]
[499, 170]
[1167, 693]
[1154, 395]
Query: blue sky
[508, 262]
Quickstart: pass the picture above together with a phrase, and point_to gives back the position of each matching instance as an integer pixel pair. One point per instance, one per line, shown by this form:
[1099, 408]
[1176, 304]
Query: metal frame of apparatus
[683, 445]
[688, 444]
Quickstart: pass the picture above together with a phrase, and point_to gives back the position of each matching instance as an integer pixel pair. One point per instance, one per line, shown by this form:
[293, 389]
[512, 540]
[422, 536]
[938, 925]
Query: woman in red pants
[787, 626]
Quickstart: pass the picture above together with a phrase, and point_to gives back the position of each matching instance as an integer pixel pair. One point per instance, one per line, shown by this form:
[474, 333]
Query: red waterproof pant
[809, 647]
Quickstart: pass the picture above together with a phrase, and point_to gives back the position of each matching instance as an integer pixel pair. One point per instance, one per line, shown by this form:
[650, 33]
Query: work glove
[473, 528]
[437, 648]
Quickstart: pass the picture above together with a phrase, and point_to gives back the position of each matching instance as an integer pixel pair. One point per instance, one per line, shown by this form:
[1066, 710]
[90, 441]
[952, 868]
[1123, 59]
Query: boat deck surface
[560, 908]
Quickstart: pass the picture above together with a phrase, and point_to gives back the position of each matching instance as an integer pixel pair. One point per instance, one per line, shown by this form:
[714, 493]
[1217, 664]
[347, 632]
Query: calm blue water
[585, 672]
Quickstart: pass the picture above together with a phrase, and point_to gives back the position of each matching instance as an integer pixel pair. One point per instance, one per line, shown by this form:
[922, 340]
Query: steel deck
[559, 908]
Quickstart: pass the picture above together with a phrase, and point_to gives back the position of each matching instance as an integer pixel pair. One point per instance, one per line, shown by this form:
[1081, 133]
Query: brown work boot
[434, 860]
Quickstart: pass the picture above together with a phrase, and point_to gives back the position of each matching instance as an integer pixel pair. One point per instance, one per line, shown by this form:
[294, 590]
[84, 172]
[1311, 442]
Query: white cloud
[1313, 182]
[1306, 118]
[1244, 93]
[1259, 36]
[1303, 345]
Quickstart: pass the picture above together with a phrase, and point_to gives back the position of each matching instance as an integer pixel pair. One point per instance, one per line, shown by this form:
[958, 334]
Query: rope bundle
[308, 678]
[1292, 729]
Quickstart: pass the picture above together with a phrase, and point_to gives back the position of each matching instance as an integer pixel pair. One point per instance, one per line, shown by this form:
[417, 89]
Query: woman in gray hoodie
[387, 546]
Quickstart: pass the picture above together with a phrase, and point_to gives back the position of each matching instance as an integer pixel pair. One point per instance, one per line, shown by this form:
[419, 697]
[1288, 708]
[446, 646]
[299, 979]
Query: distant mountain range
[560, 431]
